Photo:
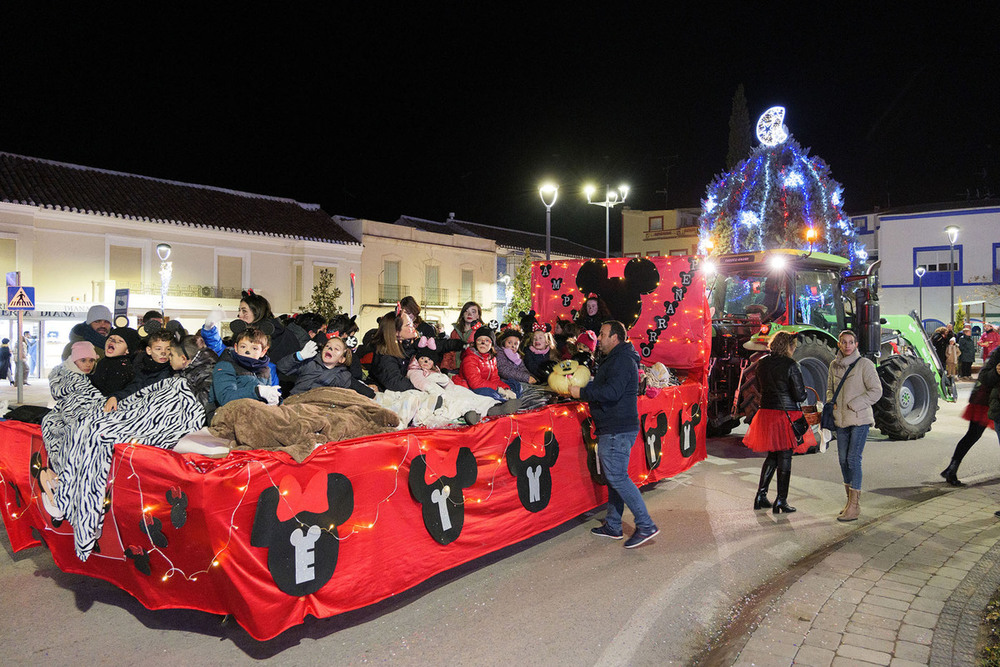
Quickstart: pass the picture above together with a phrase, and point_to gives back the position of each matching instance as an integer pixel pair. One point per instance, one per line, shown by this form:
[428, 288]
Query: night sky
[375, 110]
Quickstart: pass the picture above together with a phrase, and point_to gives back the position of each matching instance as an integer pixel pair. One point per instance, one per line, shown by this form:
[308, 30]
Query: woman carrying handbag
[858, 388]
[778, 425]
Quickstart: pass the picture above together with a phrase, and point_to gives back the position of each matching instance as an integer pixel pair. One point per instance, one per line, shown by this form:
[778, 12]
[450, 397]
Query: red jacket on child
[480, 371]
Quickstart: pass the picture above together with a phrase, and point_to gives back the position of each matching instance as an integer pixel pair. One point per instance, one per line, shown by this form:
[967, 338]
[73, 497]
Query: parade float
[269, 541]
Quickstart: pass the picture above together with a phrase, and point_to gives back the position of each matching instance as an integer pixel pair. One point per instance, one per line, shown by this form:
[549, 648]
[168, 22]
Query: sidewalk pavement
[907, 589]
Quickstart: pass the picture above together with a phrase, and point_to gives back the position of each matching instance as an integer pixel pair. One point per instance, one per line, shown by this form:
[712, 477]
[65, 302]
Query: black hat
[427, 347]
[130, 336]
[507, 333]
[484, 332]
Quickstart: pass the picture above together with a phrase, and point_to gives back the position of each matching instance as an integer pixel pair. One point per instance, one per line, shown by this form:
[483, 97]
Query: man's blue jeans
[614, 450]
[850, 447]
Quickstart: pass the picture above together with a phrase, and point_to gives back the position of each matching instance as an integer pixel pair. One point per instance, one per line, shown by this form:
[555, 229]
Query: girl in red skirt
[975, 412]
[781, 390]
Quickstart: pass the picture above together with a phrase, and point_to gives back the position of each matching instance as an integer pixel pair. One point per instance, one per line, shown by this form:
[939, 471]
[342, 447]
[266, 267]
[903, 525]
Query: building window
[633, 254]
[686, 220]
[996, 263]
[318, 268]
[680, 252]
[653, 253]
[297, 283]
[230, 275]
[655, 223]
[125, 264]
[467, 292]
[433, 294]
[936, 260]
[8, 255]
[390, 291]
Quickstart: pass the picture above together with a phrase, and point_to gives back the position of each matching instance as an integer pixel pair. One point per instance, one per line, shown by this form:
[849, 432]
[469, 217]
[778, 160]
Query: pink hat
[589, 339]
[82, 350]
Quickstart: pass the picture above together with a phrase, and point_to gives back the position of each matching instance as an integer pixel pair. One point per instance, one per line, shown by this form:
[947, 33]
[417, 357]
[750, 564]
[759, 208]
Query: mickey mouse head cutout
[299, 530]
[690, 417]
[622, 295]
[534, 475]
[654, 429]
[442, 501]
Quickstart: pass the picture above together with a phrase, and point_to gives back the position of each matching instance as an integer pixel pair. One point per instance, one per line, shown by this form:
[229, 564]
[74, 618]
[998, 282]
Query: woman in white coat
[852, 413]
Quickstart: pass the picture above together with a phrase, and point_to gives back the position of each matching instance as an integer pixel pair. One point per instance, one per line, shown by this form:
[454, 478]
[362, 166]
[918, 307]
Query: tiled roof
[68, 187]
[507, 238]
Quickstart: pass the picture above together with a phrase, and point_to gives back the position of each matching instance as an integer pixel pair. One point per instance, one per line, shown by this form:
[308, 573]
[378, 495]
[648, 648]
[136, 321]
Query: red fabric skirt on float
[977, 414]
[771, 431]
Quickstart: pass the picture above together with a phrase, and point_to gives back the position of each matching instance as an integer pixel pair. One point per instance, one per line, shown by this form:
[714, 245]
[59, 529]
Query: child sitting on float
[327, 367]
[539, 351]
[457, 402]
[479, 370]
[243, 370]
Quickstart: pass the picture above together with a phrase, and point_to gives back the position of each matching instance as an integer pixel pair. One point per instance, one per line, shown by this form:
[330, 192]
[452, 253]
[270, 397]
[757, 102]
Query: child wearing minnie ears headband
[329, 366]
[540, 349]
[456, 401]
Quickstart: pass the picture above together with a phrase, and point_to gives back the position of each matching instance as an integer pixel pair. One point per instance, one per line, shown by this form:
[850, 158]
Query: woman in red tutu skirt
[781, 390]
[975, 412]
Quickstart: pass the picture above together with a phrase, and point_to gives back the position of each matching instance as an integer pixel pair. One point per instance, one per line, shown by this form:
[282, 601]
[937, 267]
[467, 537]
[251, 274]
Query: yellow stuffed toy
[566, 374]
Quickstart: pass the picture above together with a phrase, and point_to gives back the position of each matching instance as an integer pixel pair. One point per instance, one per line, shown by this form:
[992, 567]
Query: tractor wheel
[909, 400]
[749, 391]
[814, 355]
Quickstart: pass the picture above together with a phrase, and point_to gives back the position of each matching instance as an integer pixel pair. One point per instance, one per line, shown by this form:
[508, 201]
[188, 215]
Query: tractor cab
[791, 288]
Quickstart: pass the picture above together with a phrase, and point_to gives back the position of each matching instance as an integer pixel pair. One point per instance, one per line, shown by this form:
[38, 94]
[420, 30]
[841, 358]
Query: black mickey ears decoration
[139, 558]
[653, 432]
[151, 327]
[442, 501]
[623, 296]
[238, 325]
[178, 501]
[534, 476]
[153, 528]
[690, 417]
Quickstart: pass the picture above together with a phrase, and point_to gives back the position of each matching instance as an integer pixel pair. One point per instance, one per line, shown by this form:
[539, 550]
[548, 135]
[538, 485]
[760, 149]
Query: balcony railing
[391, 293]
[435, 296]
[206, 291]
[466, 295]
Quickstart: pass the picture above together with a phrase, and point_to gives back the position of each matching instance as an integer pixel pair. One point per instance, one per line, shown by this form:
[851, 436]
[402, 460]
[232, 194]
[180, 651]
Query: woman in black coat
[781, 391]
[394, 345]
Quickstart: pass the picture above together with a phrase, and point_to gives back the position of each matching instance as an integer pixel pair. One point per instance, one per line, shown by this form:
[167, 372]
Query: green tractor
[755, 295]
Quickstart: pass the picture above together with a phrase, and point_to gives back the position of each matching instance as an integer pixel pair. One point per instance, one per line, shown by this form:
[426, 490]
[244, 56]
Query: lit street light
[166, 271]
[611, 199]
[952, 231]
[548, 192]
[920, 290]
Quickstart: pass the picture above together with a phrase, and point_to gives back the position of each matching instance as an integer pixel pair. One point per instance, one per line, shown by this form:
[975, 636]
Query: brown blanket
[317, 416]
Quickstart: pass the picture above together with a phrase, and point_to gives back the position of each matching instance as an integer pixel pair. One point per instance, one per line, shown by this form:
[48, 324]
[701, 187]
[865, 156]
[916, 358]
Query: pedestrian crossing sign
[20, 297]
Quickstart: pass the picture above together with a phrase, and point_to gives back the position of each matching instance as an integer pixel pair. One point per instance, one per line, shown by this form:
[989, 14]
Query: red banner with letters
[660, 300]
[270, 541]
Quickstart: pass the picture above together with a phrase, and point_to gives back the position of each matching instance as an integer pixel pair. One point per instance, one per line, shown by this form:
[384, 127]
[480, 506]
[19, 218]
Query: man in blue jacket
[613, 398]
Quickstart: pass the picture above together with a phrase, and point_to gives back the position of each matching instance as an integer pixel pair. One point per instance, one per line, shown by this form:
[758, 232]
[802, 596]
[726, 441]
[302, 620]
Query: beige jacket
[860, 392]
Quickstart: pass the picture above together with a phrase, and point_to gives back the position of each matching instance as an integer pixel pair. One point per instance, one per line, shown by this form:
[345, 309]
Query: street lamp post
[920, 290]
[611, 199]
[952, 231]
[548, 192]
[166, 271]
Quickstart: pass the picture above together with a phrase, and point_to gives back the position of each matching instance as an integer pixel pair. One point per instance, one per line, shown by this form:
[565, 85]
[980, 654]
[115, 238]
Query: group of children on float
[158, 384]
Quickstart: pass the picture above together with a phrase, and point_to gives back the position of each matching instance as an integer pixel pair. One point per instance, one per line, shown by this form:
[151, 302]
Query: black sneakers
[604, 531]
[639, 538]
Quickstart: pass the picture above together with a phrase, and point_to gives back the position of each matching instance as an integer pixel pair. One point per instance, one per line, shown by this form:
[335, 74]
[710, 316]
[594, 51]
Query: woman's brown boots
[853, 509]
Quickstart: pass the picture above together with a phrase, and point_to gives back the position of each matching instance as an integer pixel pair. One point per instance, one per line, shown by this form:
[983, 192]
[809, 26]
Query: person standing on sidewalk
[966, 353]
[781, 390]
[989, 341]
[976, 412]
[613, 396]
[852, 413]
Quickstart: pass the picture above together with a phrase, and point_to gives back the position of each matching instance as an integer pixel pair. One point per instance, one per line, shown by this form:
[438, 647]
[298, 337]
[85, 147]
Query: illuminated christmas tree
[779, 197]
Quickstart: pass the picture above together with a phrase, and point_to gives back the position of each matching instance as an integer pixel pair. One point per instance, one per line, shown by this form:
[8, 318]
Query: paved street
[718, 576]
